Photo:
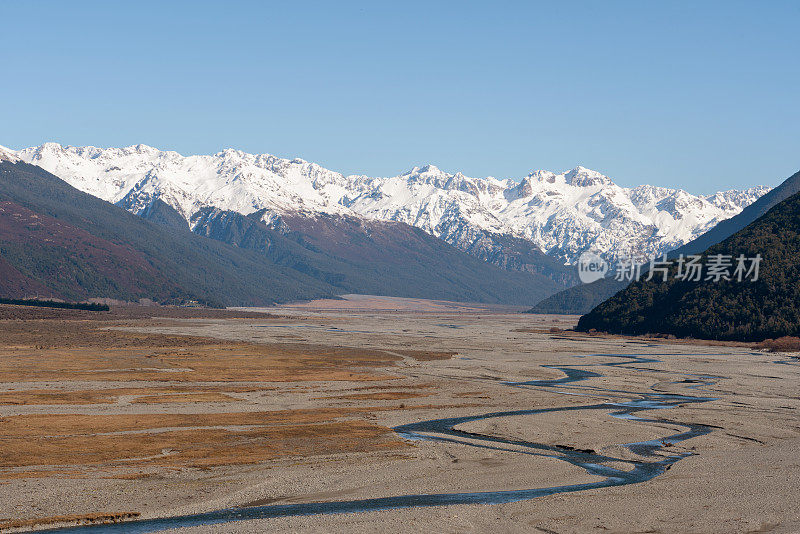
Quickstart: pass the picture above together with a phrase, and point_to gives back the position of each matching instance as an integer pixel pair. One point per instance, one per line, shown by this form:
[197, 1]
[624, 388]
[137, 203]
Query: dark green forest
[725, 310]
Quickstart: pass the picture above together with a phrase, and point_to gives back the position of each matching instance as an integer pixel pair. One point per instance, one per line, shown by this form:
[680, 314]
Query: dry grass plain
[62, 360]
[143, 413]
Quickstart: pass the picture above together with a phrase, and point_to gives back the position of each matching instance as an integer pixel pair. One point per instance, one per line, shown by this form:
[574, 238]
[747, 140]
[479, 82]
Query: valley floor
[126, 416]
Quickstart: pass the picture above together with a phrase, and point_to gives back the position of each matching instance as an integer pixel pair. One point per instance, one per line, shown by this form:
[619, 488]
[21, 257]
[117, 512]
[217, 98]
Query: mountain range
[375, 235]
[581, 299]
[57, 241]
[507, 222]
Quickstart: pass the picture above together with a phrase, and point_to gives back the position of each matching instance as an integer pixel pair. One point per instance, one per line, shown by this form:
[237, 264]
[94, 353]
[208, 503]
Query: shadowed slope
[583, 298]
[747, 311]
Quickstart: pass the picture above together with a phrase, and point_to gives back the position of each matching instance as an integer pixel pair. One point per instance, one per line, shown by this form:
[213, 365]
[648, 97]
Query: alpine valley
[537, 225]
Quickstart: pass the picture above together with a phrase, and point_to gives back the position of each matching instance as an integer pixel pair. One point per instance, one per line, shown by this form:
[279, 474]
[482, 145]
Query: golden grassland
[50, 363]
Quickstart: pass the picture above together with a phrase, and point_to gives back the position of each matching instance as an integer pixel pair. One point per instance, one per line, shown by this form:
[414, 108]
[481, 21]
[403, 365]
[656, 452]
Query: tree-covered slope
[730, 310]
[56, 241]
[728, 227]
[355, 255]
[583, 298]
[83, 247]
[579, 299]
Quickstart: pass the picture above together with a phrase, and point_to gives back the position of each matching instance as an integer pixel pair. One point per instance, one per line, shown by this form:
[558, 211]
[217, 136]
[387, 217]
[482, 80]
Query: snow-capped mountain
[563, 214]
[6, 154]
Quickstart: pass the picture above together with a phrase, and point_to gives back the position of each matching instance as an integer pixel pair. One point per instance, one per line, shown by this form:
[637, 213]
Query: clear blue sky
[699, 95]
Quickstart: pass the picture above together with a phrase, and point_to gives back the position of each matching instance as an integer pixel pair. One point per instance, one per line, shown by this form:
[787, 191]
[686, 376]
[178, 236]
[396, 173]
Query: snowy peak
[428, 169]
[541, 176]
[563, 214]
[6, 154]
[583, 177]
[733, 198]
[231, 179]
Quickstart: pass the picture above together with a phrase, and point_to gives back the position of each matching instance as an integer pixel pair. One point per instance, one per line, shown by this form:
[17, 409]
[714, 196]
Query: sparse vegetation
[782, 344]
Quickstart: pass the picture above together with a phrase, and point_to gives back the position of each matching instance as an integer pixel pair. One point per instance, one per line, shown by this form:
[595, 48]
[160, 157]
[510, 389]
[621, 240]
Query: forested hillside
[747, 310]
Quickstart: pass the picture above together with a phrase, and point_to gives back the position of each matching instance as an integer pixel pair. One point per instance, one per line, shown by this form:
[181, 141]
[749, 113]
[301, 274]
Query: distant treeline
[56, 304]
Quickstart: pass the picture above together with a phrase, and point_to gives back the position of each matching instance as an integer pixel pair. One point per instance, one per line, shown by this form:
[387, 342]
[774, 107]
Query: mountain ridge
[58, 241]
[581, 299]
[762, 304]
[562, 214]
